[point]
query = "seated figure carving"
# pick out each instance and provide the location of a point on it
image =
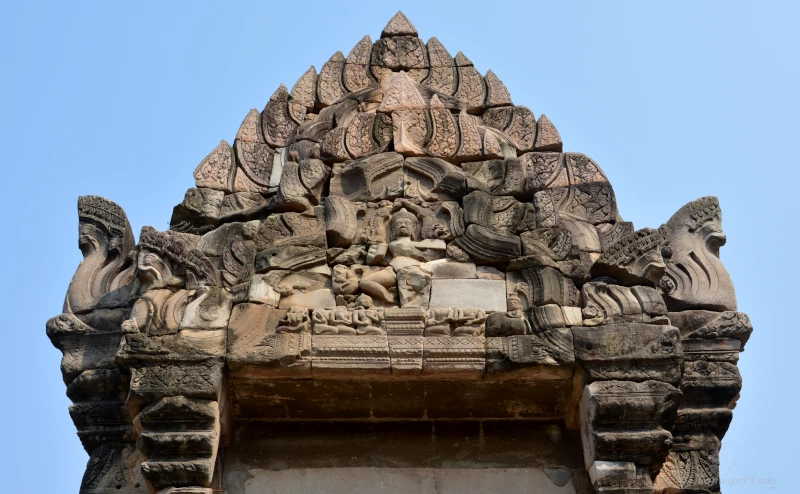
(296, 320)
(334, 322)
(404, 249)
(366, 318)
(469, 322)
(440, 321)
(512, 322)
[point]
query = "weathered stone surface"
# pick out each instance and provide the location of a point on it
(547, 136)
(634, 352)
(394, 245)
(256, 161)
(471, 88)
(410, 130)
(350, 356)
(469, 139)
(330, 87)
(199, 206)
(373, 178)
(442, 77)
(401, 93)
(214, 172)
(304, 90)
(398, 53)
(276, 122)
(711, 324)
(356, 75)
(414, 287)
(399, 25)
(489, 295)
(496, 177)
(301, 185)
(433, 179)
(511, 322)
(453, 357)
(649, 404)
(443, 269)
(496, 92)
(291, 241)
(635, 258)
(405, 353)
(545, 355)
(250, 129)
(604, 304)
(541, 286)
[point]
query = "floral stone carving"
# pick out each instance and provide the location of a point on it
(396, 220)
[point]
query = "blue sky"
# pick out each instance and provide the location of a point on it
(675, 100)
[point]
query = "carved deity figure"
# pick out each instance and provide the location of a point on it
(366, 317)
(296, 320)
(439, 321)
(511, 322)
(377, 282)
(404, 248)
(695, 275)
(345, 284)
(469, 322)
(334, 321)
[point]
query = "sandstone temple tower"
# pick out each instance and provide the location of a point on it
(395, 280)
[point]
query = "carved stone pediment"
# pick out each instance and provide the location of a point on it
(394, 241)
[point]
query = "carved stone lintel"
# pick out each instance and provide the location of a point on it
(453, 357)
(350, 356)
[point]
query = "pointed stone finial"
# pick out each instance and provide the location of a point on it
(361, 52)
(496, 92)
(399, 25)
(250, 130)
(547, 136)
(305, 87)
(462, 60)
(439, 56)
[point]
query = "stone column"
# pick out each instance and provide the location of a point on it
(710, 385)
(628, 404)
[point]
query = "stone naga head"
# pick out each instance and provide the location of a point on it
(695, 277)
(104, 237)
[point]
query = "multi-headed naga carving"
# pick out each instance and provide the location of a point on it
(395, 216)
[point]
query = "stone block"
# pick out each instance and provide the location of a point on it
(254, 348)
(373, 178)
(649, 409)
(545, 355)
(453, 357)
(488, 295)
(443, 269)
(195, 380)
(405, 321)
(629, 351)
(405, 353)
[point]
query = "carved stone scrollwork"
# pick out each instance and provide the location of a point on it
(395, 240)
